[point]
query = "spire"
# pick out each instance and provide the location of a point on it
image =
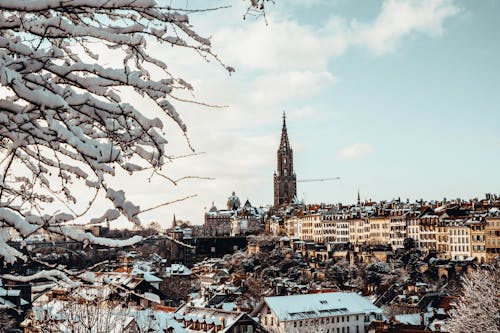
(284, 134)
(359, 198)
(174, 223)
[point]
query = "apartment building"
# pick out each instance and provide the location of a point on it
(398, 228)
(379, 233)
(359, 231)
(427, 230)
(492, 238)
(336, 312)
(478, 238)
(459, 235)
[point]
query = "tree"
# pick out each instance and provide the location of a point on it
(64, 130)
(84, 311)
(408, 243)
(477, 309)
(6, 321)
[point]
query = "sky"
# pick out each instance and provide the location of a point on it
(397, 98)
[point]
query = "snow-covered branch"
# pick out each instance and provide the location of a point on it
(63, 124)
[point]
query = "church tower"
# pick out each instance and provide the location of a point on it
(285, 180)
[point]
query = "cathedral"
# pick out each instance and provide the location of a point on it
(285, 180)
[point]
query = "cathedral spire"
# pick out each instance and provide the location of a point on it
(285, 187)
(174, 223)
(284, 134)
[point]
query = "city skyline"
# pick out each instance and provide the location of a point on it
(394, 107)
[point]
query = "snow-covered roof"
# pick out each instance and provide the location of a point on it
(319, 305)
(409, 319)
(177, 269)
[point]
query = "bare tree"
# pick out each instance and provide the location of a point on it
(64, 130)
(82, 315)
(478, 306)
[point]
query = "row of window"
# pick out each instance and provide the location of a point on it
(459, 248)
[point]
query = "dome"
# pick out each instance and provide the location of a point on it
(233, 202)
(213, 209)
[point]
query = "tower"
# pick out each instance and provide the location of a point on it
(285, 180)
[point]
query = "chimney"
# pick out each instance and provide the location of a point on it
(222, 322)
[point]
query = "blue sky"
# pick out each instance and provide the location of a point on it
(398, 98)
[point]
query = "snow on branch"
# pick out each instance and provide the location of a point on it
(64, 129)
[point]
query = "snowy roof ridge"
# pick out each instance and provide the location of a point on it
(319, 305)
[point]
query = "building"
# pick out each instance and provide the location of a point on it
(492, 235)
(336, 312)
(379, 230)
(478, 240)
(235, 220)
(198, 319)
(459, 236)
(398, 228)
(285, 180)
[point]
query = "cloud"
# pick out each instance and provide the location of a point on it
(285, 44)
(398, 19)
(279, 65)
(356, 150)
(277, 88)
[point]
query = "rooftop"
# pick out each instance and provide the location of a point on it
(319, 305)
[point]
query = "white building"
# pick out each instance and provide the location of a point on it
(336, 312)
(459, 236)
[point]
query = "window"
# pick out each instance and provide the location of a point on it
(294, 324)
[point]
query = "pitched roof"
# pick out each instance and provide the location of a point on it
(298, 307)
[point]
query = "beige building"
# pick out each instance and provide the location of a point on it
(379, 231)
(442, 241)
(311, 228)
(398, 228)
(427, 231)
(478, 239)
(492, 238)
(359, 231)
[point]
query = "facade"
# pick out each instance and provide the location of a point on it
(478, 238)
(235, 220)
(285, 180)
(311, 228)
(341, 231)
(199, 319)
(359, 231)
(492, 237)
(459, 235)
(379, 231)
(413, 228)
(398, 228)
(442, 241)
(325, 312)
(427, 231)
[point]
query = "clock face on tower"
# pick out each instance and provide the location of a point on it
(285, 184)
